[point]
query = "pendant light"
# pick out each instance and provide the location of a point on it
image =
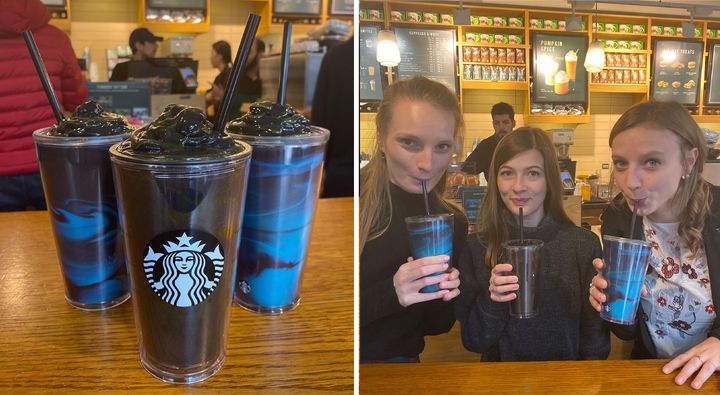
(388, 52)
(595, 57)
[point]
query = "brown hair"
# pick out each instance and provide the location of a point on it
(493, 217)
(375, 203)
(694, 192)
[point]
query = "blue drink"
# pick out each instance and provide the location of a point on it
(430, 236)
(626, 262)
(81, 201)
(282, 191)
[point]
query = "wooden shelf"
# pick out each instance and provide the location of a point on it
(62, 24)
(623, 68)
(169, 27)
(497, 64)
(637, 51)
(537, 29)
(469, 44)
(620, 88)
(372, 20)
(706, 118)
(422, 24)
(506, 85)
(697, 38)
(550, 118)
(521, 28)
(618, 34)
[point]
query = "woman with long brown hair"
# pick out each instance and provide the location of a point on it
(658, 153)
(417, 122)
(524, 174)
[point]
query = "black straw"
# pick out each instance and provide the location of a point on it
(240, 59)
(284, 62)
(522, 231)
(634, 217)
(425, 196)
(42, 72)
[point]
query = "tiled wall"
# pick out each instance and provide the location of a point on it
(102, 24)
(590, 150)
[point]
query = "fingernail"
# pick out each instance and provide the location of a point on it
(445, 265)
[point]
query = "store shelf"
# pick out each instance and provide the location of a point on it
(468, 27)
(505, 85)
(645, 51)
(618, 34)
(434, 24)
(497, 64)
(619, 88)
(549, 118)
(168, 27)
(696, 38)
(537, 29)
(623, 68)
(62, 24)
(471, 44)
(706, 118)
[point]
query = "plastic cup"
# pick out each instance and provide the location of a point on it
(430, 235)
(183, 219)
(282, 193)
(626, 262)
(525, 259)
(81, 201)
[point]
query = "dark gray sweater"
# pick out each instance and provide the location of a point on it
(566, 327)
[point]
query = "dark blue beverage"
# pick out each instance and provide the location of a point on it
(429, 236)
(80, 195)
(626, 262)
(282, 192)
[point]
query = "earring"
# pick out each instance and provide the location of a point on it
(382, 155)
(684, 177)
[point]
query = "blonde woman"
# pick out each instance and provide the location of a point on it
(417, 122)
(658, 153)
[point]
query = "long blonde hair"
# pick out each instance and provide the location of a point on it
(693, 192)
(375, 203)
(492, 222)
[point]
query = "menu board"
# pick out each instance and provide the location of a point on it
(297, 7)
(370, 71)
(676, 71)
(429, 52)
(342, 7)
(556, 74)
(713, 87)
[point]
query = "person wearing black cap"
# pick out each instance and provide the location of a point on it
(143, 45)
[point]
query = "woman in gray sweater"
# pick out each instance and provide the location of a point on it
(524, 173)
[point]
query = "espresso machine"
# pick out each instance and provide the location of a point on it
(563, 139)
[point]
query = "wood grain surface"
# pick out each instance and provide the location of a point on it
(47, 346)
(575, 377)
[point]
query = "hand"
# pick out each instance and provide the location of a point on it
(217, 92)
(502, 283)
(703, 358)
(411, 276)
(597, 286)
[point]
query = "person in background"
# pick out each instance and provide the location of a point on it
(524, 174)
(249, 87)
(658, 153)
(333, 108)
(417, 122)
(220, 58)
(143, 44)
(503, 117)
(24, 106)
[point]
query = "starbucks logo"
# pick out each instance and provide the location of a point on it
(184, 270)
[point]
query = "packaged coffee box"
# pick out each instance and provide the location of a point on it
(413, 16)
(515, 22)
(638, 29)
(669, 31)
(514, 39)
(622, 44)
(636, 45)
(429, 17)
(500, 21)
(537, 23)
(484, 38)
(612, 28)
(502, 39)
(625, 28)
(376, 15)
(398, 16)
(657, 30)
(446, 19)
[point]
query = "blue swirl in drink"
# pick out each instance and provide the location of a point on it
(282, 191)
(429, 236)
(626, 263)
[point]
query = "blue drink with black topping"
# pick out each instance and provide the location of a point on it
(430, 235)
(282, 193)
(626, 262)
(77, 179)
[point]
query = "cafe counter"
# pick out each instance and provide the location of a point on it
(573, 377)
(47, 346)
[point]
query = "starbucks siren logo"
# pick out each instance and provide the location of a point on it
(185, 274)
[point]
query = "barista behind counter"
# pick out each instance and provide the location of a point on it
(181, 72)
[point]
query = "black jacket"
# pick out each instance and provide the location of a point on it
(616, 221)
(479, 160)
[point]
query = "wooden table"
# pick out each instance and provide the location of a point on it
(47, 346)
(576, 377)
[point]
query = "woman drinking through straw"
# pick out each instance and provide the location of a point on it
(417, 122)
(658, 153)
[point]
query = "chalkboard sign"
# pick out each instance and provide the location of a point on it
(713, 88)
(297, 7)
(556, 74)
(342, 7)
(370, 70)
(122, 97)
(676, 71)
(429, 52)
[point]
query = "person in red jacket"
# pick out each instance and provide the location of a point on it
(24, 107)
